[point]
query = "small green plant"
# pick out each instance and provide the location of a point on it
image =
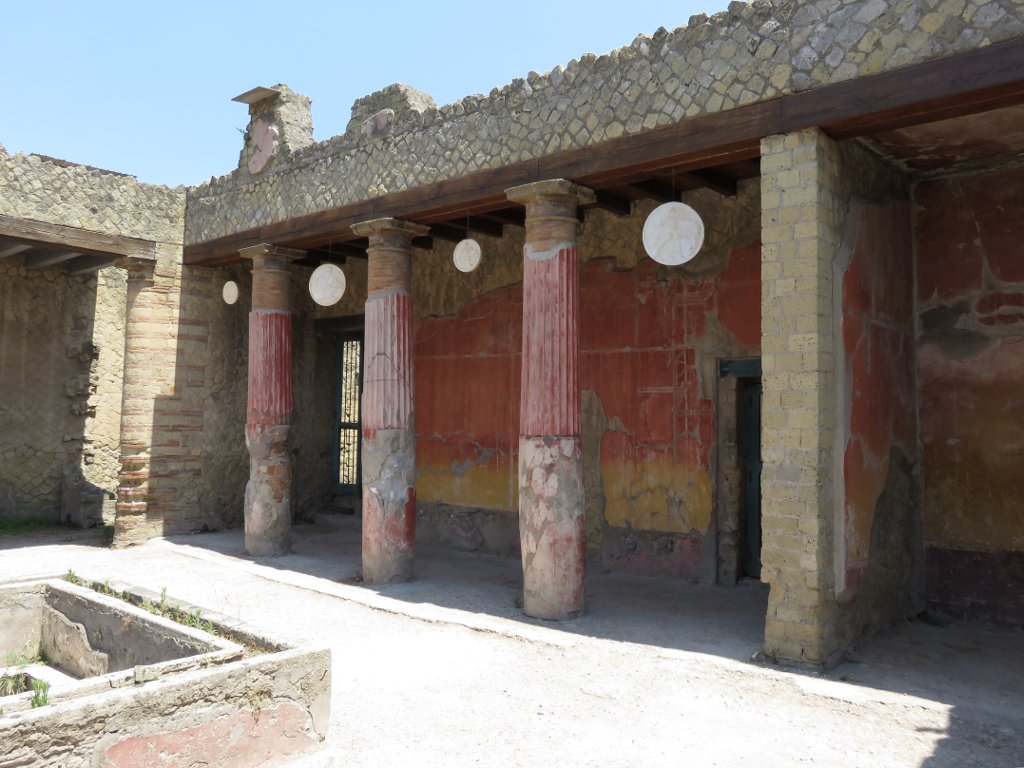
(105, 589)
(517, 601)
(40, 693)
(163, 600)
(12, 684)
(72, 577)
(16, 659)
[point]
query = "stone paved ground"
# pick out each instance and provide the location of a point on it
(441, 672)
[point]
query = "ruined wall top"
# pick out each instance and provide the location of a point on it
(58, 192)
(748, 53)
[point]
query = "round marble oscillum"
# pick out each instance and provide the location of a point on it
(673, 234)
(230, 292)
(327, 284)
(467, 255)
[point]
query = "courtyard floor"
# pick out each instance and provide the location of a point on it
(446, 671)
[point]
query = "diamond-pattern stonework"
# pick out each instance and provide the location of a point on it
(748, 53)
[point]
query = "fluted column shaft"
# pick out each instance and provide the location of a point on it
(551, 502)
(389, 435)
(268, 513)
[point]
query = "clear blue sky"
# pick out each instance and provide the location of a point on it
(145, 87)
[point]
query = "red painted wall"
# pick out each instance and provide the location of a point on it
(649, 340)
(877, 332)
(970, 244)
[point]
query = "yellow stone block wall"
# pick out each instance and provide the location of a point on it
(800, 219)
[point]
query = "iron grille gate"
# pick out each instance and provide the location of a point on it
(348, 419)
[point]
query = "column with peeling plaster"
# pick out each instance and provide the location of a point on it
(133, 522)
(389, 436)
(268, 514)
(551, 504)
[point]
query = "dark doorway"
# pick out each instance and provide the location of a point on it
(749, 424)
(348, 418)
(743, 455)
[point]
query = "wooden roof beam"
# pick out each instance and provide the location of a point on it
(607, 201)
(447, 232)
(13, 248)
(86, 264)
(40, 258)
(81, 240)
(653, 189)
(973, 81)
(714, 180)
(508, 216)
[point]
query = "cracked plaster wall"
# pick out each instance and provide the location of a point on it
(970, 293)
(650, 340)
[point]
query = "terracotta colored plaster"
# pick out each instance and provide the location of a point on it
(877, 338)
(648, 343)
(971, 374)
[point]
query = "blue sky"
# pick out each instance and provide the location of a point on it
(145, 87)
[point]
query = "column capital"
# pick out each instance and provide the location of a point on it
(389, 225)
(268, 253)
(525, 193)
(141, 264)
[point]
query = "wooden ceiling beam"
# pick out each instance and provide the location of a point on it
(448, 232)
(317, 256)
(88, 263)
(509, 216)
(973, 81)
(13, 248)
(653, 189)
(608, 201)
(81, 240)
(716, 181)
(40, 258)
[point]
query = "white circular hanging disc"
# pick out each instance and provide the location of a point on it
(673, 234)
(230, 292)
(327, 284)
(467, 255)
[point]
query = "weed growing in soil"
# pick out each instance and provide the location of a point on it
(40, 693)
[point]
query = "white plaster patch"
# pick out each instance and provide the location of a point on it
(547, 254)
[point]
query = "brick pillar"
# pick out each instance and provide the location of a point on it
(268, 509)
(800, 230)
(132, 521)
(389, 435)
(551, 501)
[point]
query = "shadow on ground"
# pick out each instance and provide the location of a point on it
(975, 671)
(723, 621)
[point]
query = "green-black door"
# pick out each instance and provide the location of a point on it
(751, 420)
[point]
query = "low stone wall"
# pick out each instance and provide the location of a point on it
(163, 708)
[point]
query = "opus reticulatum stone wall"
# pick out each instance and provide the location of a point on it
(749, 53)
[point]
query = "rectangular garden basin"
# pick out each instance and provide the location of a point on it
(122, 686)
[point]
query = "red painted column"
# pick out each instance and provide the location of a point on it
(389, 435)
(268, 514)
(551, 505)
(132, 521)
